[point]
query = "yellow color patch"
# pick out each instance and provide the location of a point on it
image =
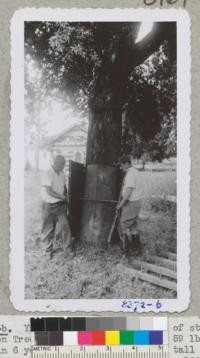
(112, 337)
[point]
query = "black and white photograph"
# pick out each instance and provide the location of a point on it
(100, 159)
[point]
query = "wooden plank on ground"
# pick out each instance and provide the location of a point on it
(154, 268)
(164, 262)
(170, 285)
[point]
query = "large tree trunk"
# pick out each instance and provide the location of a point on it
(101, 182)
(104, 135)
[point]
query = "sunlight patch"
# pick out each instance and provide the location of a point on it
(144, 30)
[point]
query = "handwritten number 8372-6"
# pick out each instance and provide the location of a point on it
(141, 305)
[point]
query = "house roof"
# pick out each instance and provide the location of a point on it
(51, 140)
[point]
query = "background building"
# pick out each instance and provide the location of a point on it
(71, 143)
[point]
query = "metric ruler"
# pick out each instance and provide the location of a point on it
(100, 352)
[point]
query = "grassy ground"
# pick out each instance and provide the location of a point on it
(93, 272)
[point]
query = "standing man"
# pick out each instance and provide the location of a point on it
(54, 206)
(130, 203)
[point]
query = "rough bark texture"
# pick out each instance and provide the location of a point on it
(104, 136)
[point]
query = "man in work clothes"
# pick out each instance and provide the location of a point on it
(54, 206)
(130, 203)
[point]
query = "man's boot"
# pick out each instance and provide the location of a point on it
(123, 238)
(136, 244)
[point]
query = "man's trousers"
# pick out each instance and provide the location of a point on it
(53, 214)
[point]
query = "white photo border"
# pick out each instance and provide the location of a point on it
(17, 280)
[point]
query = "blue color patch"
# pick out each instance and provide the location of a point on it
(141, 337)
(156, 337)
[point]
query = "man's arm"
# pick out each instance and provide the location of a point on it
(54, 194)
(125, 198)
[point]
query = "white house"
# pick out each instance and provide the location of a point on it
(71, 143)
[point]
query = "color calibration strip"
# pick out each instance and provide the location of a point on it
(95, 338)
(96, 331)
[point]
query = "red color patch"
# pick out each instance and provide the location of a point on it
(98, 338)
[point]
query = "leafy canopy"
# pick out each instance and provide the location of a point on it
(87, 60)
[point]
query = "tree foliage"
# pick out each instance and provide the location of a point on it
(150, 122)
(101, 63)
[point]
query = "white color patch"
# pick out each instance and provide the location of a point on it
(160, 323)
(70, 338)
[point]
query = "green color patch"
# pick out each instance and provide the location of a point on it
(126, 337)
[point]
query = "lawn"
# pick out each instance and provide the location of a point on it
(93, 272)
